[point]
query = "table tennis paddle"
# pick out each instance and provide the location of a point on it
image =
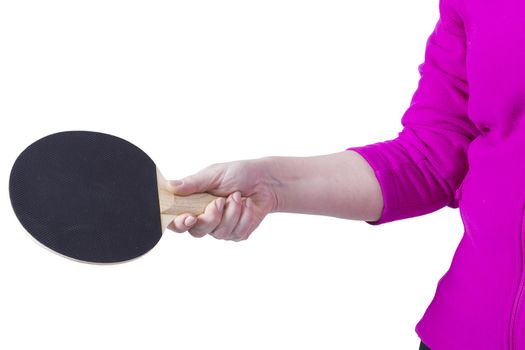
(94, 197)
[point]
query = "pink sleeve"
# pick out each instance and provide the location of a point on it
(420, 170)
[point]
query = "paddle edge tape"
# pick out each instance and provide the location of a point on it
(166, 200)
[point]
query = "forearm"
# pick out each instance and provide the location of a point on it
(340, 184)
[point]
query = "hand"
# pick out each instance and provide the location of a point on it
(233, 218)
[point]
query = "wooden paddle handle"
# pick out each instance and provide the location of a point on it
(194, 203)
(172, 205)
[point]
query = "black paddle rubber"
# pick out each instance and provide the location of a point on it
(87, 195)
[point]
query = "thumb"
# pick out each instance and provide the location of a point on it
(203, 181)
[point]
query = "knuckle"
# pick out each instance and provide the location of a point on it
(174, 227)
(220, 233)
(213, 167)
(216, 220)
(212, 209)
(196, 233)
(240, 237)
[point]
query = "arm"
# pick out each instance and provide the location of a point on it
(341, 184)
(416, 173)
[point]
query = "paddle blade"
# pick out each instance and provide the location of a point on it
(87, 195)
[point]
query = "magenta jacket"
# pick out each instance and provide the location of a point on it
(463, 145)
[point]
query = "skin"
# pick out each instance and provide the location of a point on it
(340, 184)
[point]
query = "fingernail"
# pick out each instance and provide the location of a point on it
(219, 203)
(237, 197)
(190, 220)
(176, 182)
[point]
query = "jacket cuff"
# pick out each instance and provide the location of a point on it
(387, 181)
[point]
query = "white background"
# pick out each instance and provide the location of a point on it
(199, 82)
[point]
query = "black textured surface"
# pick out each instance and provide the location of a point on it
(87, 195)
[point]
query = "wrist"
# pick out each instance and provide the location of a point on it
(271, 177)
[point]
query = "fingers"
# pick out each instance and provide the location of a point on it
(243, 229)
(230, 218)
(206, 179)
(209, 220)
(182, 223)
